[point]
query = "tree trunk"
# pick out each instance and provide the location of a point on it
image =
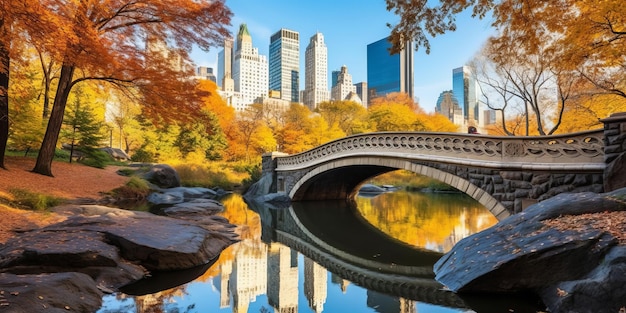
(4, 92)
(49, 143)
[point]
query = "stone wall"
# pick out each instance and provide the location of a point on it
(517, 190)
(615, 151)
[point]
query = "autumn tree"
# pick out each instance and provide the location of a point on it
(587, 35)
(395, 111)
(393, 117)
(349, 116)
(401, 98)
(26, 129)
(247, 123)
(18, 19)
(436, 122)
(106, 41)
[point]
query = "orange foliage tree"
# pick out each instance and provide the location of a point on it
(18, 19)
(105, 41)
(578, 42)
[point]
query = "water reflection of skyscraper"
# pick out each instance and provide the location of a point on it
(315, 284)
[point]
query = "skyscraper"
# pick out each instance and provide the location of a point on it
(284, 64)
(249, 69)
(361, 91)
(448, 106)
(316, 72)
(465, 91)
(225, 66)
(387, 73)
(206, 73)
(344, 89)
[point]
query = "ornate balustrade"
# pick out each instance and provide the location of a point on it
(582, 151)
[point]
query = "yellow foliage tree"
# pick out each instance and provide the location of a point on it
(393, 117)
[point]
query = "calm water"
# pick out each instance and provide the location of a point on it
(376, 257)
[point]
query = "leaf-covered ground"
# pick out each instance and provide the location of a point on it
(70, 181)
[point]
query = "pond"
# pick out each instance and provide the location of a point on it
(374, 255)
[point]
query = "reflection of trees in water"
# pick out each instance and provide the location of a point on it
(249, 227)
(432, 221)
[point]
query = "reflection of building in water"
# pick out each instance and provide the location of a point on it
(315, 282)
(249, 275)
(155, 303)
(282, 278)
(343, 284)
(389, 304)
(225, 269)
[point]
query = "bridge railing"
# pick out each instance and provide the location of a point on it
(575, 151)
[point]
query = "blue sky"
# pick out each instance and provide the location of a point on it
(348, 27)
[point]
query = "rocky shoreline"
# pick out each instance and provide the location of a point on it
(68, 266)
(578, 267)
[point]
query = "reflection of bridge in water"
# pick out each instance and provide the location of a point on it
(355, 251)
(505, 174)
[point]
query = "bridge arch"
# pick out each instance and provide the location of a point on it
(321, 182)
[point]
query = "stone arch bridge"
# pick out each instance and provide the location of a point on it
(505, 174)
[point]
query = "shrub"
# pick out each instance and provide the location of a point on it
(34, 201)
(135, 189)
(209, 175)
(143, 156)
(96, 158)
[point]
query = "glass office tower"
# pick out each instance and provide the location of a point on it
(465, 91)
(388, 73)
(284, 64)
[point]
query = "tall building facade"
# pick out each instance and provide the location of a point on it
(448, 106)
(387, 73)
(361, 91)
(344, 89)
(284, 64)
(316, 72)
(465, 90)
(225, 66)
(249, 69)
(206, 73)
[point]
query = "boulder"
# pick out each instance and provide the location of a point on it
(162, 175)
(194, 207)
(116, 153)
(602, 290)
(115, 247)
(521, 253)
(155, 242)
(53, 292)
(180, 195)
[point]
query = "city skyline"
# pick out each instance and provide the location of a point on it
(347, 42)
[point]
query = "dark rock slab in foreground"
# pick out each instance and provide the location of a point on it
(54, 292)
(111, 248)
(521, 254)
(602, 290)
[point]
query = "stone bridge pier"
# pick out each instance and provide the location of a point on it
(505, 174)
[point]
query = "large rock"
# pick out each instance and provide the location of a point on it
(602, 290)
(522, 254)
(155, 242)
(162, 175)
(182, 194)
(114, 247)
(54, 292)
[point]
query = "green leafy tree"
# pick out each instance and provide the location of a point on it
(83, 131)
